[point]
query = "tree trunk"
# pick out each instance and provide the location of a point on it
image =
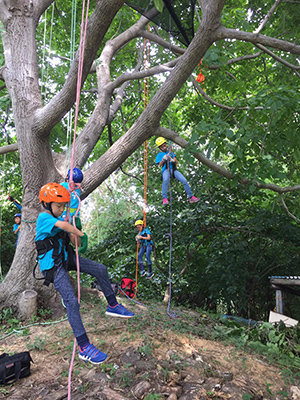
(21, 79)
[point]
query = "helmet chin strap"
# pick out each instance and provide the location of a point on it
(48, 207)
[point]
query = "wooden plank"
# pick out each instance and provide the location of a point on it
(285, 282)
(276, 317)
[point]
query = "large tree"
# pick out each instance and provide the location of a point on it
(227, 36)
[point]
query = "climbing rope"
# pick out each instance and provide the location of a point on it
(44, 48)
(2, 191)
(70, 113)
(170, 313)
(84, 20)
(34, 324)
(146, 102)
(44, 80)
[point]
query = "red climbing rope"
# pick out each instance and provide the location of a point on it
(84, 20)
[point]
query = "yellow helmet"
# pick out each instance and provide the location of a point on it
(159, 141)
(138, 222)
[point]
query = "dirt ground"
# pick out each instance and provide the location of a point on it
(161, 358)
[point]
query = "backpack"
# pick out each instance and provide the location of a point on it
(128, 287)
(14, 367)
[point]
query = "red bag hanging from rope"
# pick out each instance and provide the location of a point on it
(128, 287)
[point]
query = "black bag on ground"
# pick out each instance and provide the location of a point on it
(14, 367)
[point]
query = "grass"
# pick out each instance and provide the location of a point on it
(280, 345)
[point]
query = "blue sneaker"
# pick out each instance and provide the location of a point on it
(143, 273)
(149, 275)
(91, 354)
(119, 311)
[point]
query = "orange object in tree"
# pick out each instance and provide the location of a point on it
(200, 77)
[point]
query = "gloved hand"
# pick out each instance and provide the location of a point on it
(173, 160)
(137, 238)
(10, 198)
(166, 157)
(83, 244)
(78, 223)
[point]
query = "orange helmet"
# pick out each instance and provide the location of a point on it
(54, 192)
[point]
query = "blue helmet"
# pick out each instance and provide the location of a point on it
(77, 175)
(18, 215)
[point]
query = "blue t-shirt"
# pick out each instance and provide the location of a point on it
(74, 202)
(160, 156)
(16, 226)
(45, 227)
(144, 241)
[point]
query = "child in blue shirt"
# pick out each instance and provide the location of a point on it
(17, 226)
(77, 177)
(145, 242)
(17, 218)
(168, 162)
(55, 259)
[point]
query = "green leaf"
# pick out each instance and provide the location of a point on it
(229, 133)
(159, 5)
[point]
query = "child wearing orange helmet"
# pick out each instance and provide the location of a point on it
(55, 258)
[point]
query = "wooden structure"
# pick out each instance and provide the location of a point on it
(278, 318)
(284, 284)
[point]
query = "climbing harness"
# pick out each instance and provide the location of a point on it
(52, 243)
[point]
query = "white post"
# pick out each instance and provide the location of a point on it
(279, 301)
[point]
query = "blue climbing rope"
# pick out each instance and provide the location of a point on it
(169, 311)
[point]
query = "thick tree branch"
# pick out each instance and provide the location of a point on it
(10, 148)
(163, 43)
(92, 131)
(273, 55)
(98, 24)
(144, 74)
(148, 122)
(256, 38)
(41, 7)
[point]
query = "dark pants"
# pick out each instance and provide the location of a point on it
(142, 251)
(63, 285)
